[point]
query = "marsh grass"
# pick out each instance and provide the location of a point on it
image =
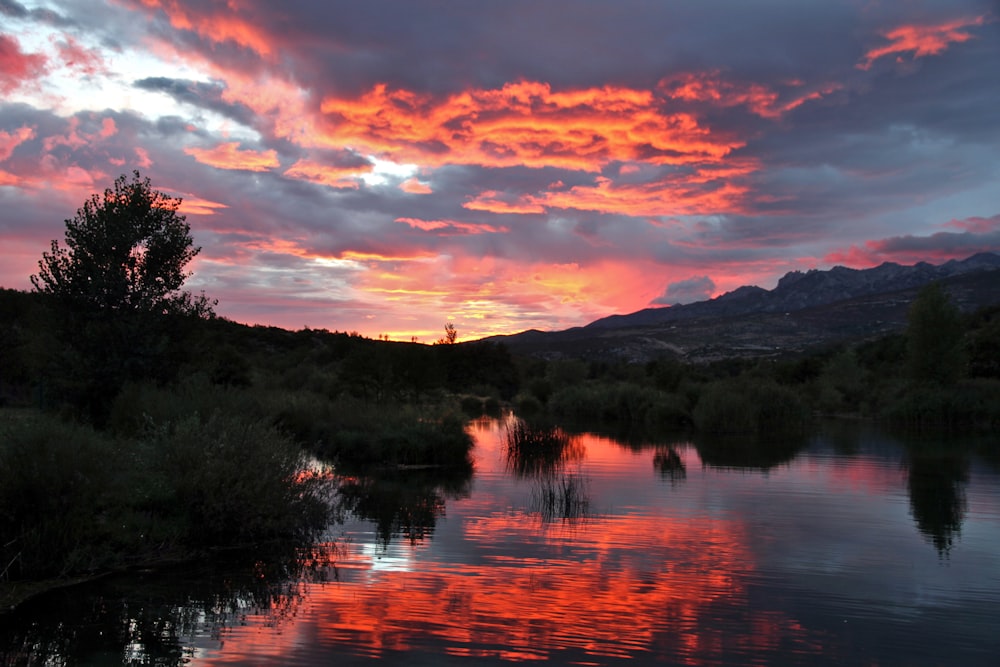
(561, 497)
(534, 449)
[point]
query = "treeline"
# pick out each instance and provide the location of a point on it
(942, 373)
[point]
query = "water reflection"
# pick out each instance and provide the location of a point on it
(157, 617)
(936, 484)
(668, 462)
(749, 452)
(582, 554)
(405, 502)
(560, 496)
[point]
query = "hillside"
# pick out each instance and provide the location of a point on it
(805, 310)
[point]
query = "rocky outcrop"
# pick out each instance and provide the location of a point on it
(799, 290)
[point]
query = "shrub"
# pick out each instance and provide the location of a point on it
(968, 406)
(743, 406)
(58, 486)
(238, 481)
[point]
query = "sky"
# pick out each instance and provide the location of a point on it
(390, 166)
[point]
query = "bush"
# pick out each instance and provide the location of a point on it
(968, 406)
(239, 481)
(742, 406)
(58, 487)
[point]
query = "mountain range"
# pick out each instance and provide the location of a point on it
(804, 310)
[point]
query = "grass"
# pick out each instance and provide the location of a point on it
(534, 449)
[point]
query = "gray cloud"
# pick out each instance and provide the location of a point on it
(694, 289)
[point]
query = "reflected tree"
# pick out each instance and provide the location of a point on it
(750, 452)
(667, 461)
(936, 483)
(404, 502)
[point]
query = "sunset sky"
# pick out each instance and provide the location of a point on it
(388, 166)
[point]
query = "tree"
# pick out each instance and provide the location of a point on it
(119, 312)
(125, 251)
(934, 337)
(450, 335)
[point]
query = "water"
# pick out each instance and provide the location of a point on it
(849, 547)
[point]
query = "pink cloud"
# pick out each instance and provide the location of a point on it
(17, 67)
(452, 227)
(976, 224)
(89, 62)
(11, 140)
(907, 249)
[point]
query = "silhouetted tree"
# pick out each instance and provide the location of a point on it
(119, 313)
(934, 336)
(450, 335)
(125, 251)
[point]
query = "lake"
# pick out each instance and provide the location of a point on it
(848, 547)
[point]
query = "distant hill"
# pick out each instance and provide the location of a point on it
(804, 310)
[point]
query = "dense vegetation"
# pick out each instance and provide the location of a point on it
(942, 373)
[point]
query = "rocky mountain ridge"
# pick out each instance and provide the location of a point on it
(798, 290)
(805, 310)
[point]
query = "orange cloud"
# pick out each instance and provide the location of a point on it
(415, 187)
(191, 205)
(11, 140)
(497, 202)
(762, 100)
(324, 174)
(221, 26)
(704, 190)
(142, 157)
(522, 124)
(923, 40)
(228, 155)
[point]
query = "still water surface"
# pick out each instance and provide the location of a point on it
(849, 548)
